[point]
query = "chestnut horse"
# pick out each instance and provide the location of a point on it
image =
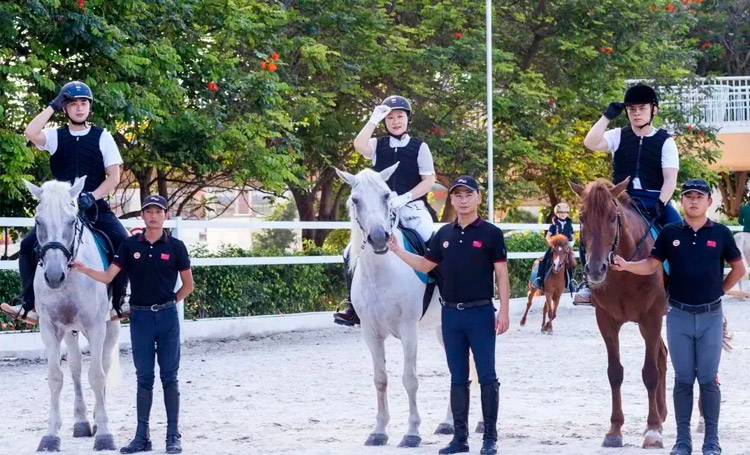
(554, 283)
(609, 226)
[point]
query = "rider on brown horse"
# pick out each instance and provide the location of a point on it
(645, 154)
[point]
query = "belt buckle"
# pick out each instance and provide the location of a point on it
(154, 309)
(460, 306)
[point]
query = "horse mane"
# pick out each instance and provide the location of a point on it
(597, 196)
(557, 240)
(55, 199)
(368, 179)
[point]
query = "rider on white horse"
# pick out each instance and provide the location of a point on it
(411, 181)
(76, 150)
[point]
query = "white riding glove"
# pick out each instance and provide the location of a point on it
(399, 201)
(378, 114)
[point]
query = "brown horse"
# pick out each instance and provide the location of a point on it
(609, 226)
(554, 283)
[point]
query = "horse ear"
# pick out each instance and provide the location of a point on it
(619, 188)
(33, 189)
(347, 177)
(577, 189)
(75, 190)
(386, 173)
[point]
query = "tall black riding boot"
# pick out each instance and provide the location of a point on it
(172, 405)
(142, 440)
(490, 405)
(460, 410)
(711, 404)
(347, 317)
(27, 270)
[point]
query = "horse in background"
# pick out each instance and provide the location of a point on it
(555, 281)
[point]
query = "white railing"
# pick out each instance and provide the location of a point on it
(179, 225)
(721, 102)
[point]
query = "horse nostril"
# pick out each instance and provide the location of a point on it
(604, 267)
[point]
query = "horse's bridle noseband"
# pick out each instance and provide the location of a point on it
(69, 252)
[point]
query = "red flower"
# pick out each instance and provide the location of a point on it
(551, 100)
(263, 64)
(274, 56)
(272, 67)
(690, 127)
(705, 46)
(437, 131)
(80, 3)
(458, 35)
(212, 86)
(603, 50)
(700, 133)
(669, 8)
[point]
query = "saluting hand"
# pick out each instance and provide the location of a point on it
(502, 322)
(378, 114)
(619, 264)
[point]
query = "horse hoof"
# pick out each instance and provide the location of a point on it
(653, 440)
(82, 430)
(410, 441)
(612, 440)
(480, 427)
(49, 444)
(376, 440)
(444, 428)
(104, 442)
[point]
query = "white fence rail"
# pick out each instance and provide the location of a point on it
(722, 102)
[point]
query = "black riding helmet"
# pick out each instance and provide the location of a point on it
(77, 89)
(642, 94)
(396, 103)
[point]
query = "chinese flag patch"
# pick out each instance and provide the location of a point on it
(165, 256)
(477, 244)
(711, 243)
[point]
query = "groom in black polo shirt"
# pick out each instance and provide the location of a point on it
(152, 261)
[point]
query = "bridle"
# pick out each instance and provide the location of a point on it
(70, 252)
(393, 216)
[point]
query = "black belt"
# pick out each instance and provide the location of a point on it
(157, 307)
(466, 305)
(696, 309)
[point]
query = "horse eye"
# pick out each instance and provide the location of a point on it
(355, 201)
(613, 218)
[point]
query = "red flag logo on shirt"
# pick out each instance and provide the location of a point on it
(711, 243)
(477, 244)
(165, 256)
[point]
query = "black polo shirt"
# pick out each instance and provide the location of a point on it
(152, 267)
(467, 258)
(696, 260)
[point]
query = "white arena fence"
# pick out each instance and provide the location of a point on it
(28, 344)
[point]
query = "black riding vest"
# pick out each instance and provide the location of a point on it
(77, 156)
(564, 227)
(640, 157)
(406, 176)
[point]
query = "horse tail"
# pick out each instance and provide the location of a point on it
(114, 373)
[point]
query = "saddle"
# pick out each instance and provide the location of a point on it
(652, 222)
(413, 243)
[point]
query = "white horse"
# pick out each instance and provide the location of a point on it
(387, 295)
(68, 304)
(743, 243)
